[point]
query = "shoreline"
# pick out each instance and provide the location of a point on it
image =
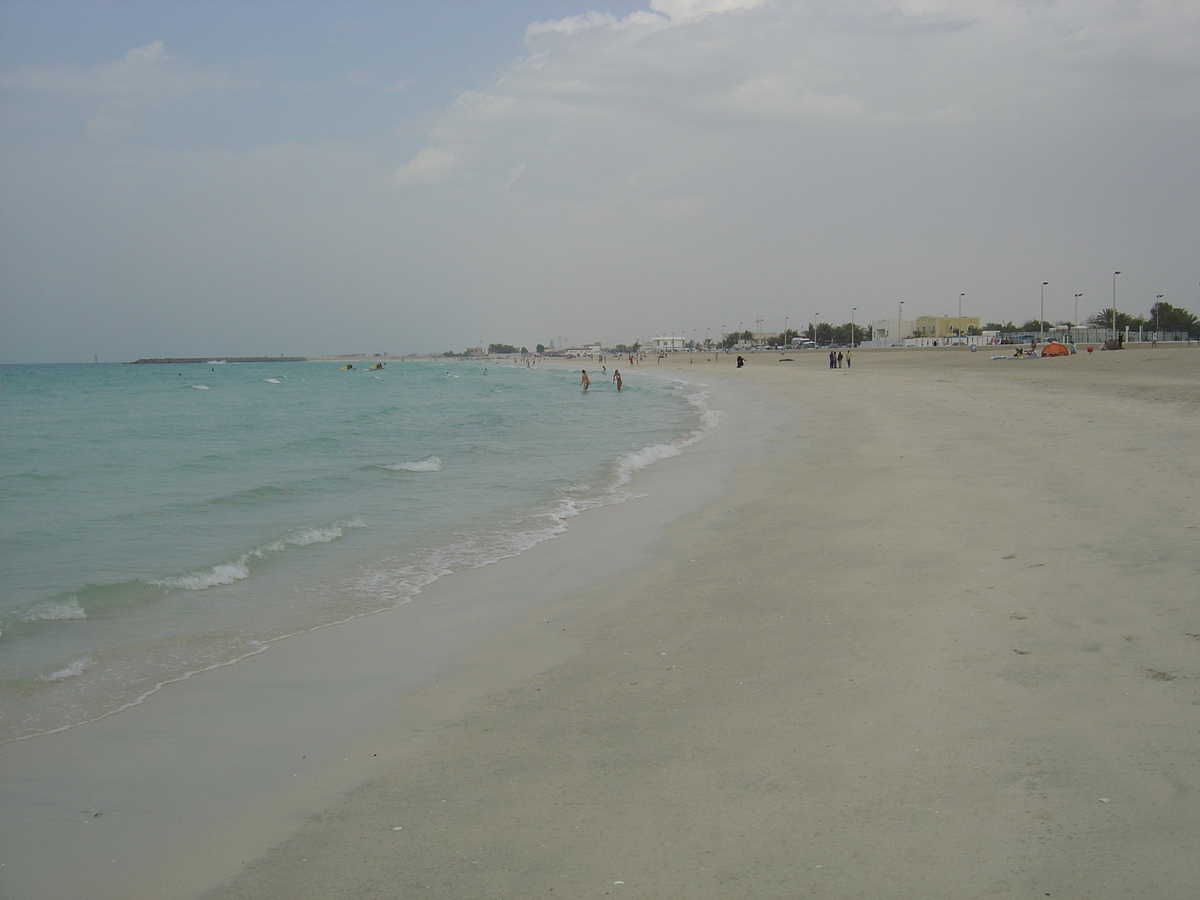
(934, 636)
(939, 641)
(174, 793)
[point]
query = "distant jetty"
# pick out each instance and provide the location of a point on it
(211, 359)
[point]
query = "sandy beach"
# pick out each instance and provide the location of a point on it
(942, 640)
(937, 635)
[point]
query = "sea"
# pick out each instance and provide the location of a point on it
(158, 521)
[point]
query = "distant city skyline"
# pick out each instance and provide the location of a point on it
(243, 178)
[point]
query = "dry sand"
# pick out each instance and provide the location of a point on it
(941, 640)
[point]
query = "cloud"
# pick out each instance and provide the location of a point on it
(432, 164)
(144, 73)
(598, 83)
(685, 165)
(146, 79)
(730, 148)
(778, 97)
(684, 10)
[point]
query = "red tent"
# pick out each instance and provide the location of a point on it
(1056, 349)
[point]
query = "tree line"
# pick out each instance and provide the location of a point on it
(1162, 317)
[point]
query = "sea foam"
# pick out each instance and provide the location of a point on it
(432, 464)
(55, 610)
(239, 569)
(73, 670)
(226, 573)
(634, 462)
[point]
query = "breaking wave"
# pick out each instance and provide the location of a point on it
(430, 464)
(54, 611)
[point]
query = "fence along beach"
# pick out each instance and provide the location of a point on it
(935, 637)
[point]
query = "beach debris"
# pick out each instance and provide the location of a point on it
(1023, 652)
(1105, 800)
(1010, 556)
(618, 882)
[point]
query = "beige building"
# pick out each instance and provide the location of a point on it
(945, 326)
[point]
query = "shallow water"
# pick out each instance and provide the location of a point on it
(157, 521)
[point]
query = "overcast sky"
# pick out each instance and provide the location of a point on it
(244, 178)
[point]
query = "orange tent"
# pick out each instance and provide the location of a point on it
(1054, 349)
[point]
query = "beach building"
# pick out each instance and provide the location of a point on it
(668, 344)
(889, 332)
(945, 326)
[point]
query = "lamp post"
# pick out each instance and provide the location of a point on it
(1114, 316)
(1042, 315)
(1158, 318)
(960, 328)
(1076, 321)
(853, 310)
(816, 319)
(783, 344)
(900, 320)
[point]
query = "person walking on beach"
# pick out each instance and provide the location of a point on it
(617, 378)
(847, 359)
(839, 359)
(832, 360)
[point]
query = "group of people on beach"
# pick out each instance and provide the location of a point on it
(835, 359)
(587, 382)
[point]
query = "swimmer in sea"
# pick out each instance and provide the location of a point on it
(617, 378)
(584, 381)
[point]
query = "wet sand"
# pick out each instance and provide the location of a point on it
(940, 639)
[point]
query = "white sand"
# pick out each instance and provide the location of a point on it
(910, 655)
(940, 640)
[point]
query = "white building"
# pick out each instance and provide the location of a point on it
(669, 344)
(889, 332)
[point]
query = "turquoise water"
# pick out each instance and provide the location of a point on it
(157, 521)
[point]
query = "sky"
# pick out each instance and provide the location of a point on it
(320, 178)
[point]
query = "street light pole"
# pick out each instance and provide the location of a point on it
(900, 321)
(1114, 316)
(1158, 318)
(1076, 322)
(960, 296)
(853, 310)
(783, 344)
(1042, 315)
